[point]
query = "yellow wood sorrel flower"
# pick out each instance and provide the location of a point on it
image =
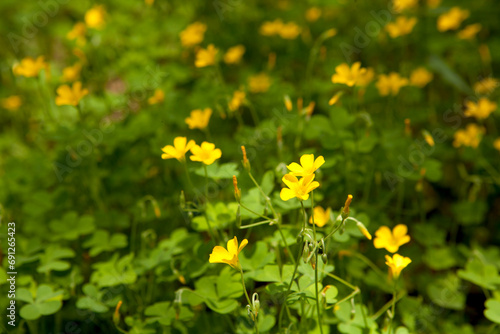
(229, 255)
(348, 75)
(289, 30)
(193, 34)
(234, 54)
(72, 73)
(313, 14)
(480, 110)
(157, 97)
(95, 17)
(402, 26)
(70, 96)
(206, 153)
(271, 28)
(321, 216)
(29, 67)
(486, 86)
(12, 103)
(259, 83)
(396, 264)
(391, 241)
(237, 100)
(298, 188)
(198, 118)
(206, 57)
(390, 84)
(179, 150)
(307, 165)
(420, 77)
(78, 32)
(470, 31)
(471, 136)
(401, 5)
(452, 19)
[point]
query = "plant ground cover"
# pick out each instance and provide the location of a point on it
(252, 166)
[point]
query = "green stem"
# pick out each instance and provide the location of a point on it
(212, 233)
(255, 213)
(393, 307)
(316, 265)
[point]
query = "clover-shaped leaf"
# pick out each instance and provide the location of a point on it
(70, 226)
(479, 273)
(101, 241)
(216, 171)
(45, 301)
(51, 259)
(165, 313)
(492, 311)
(114, 272)
(92, 299)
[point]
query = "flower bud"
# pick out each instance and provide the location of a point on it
(246, 163)
(237, 192)
(363, 230)
(116, 315)
(345, 209)
(288, 103)
(324, 258)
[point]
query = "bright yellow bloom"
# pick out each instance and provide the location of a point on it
(198, 118)
(237, 100)
(72, 73)
(179, 150)
(12, 103)
(29, 67)
(259, 83)
(391, 241)
(452, 19)
(289, 30)
(298, 188)
(95, 17)
(313, 14)
(365, 77)
(420, 77)
(229, 256)
(470, 31)
(70, 96)
(433, 3)
(480, 110)
(496, 144)
(471, 136)
(206, 153)
(307, 165)
(234, 54)
(486, 86)
(78, 32)
(271, 28)
(390, 84)
(193, 34)
(206, 57)
(321, 216)
(401, 5)
(348, 75)
(402, 26)
(157, 97)
(396, 264)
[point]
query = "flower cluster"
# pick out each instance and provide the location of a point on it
(288, 30)
(301, 188)
(391, 241)
(205, 153)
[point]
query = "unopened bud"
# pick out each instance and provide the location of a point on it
(345, 209)
(246, 163)
(363, 230)
(116, 315)
(428, 138)
(237, 192)
(288, 103)
(335, 98)
(310, 108)
(324, 258)
(306, 252)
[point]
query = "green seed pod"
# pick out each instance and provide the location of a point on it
(324, 258)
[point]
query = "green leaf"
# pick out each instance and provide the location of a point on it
(440, 258)
(470, 213)
(480, 274)
(102, 242)
(220, 215)
(92, 300)
(216, 171)
(114, 272)
(445, 292)
(70, 226)
(448, 74)
(50, 260)
(257, 256)
(492, 311)
(45, 301)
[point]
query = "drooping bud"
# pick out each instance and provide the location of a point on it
(428, 138)
(182, 200)
(324, 258)
(363, 230)
(288, 103)
(237, 192)
(310, 108)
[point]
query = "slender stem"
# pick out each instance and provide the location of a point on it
(341, 281)
(393, 307)
(286, 244)
(316, 265)
(349, 296)
(244, 287)
(255, 213)
(255, 224)
(370, 264)
(212, 233)
(268, 200)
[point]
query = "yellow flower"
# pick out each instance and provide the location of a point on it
(206, 153)
(288, 103)
(289, 30)
(335, 98)
(428, 138)
(298, 188)
(349, 76)
(269, 28)
(237, 100)
(321, 216)
(193, 34)
(149, 2)
(29, 67)
(78, 32)
(396, 264)
(12, 103)
(229, 256)
(433, 3)
(402, 26)
(420, 77)
(496, 144)
(471, 136)
(470, 31)
(486, 86)
(452, 19)
(313, 14)
(307, 165)
(179, 150)
(480, 110)
(259, 83)
(401, 5)
(157, 97)
(206, 57)
(70, 96)
(365, 77)
(72, 73)
(234, 54)
(390, 84)
(94, 17)
(391, 241)
(198, 118)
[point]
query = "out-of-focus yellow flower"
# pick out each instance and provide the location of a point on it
(391, 240)
(179, 150)
(289, 30)
(95, 17)
(452, 19)
(480, 110)
(12, 103)
(428, 138)
(29, 67)
(237, 100)
(234, 54)
(402, 26)
(288, 103)
(433, 3)
(321, 216)
(496, 144)
(206, 57)
(198, 118)
(420, 77)
(390, 84)
(206, 153)
(307, 165)
(149, 2)
(401, 5)
(229, 255)
(348, 75)
(396, 264)
(72, 73)
(335, 98)
(470, 31)
(259, 83)
(365, 77)
(271, 28)
(298, 188)
(193, 34)
(70, 95)
(313, 14)
(157, 97)
(78, 32)
(470, 137)
(486, 86)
